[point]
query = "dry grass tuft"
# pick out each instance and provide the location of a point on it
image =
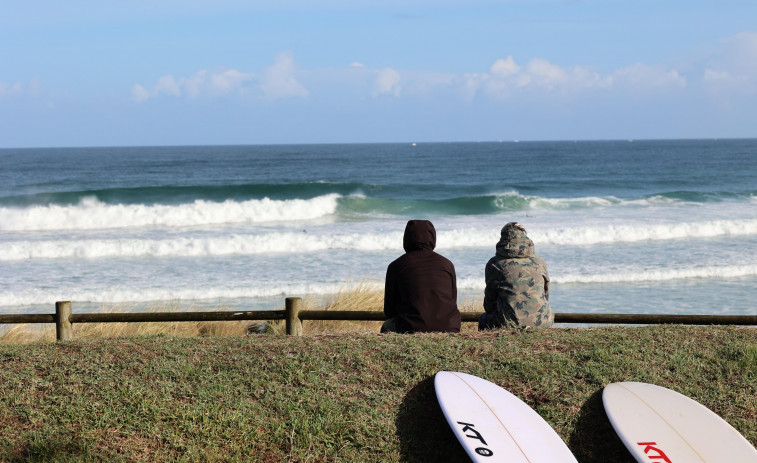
(361, 296)
(25, 333)
(352, 296)
(29, 333)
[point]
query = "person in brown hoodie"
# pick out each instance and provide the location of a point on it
(420, 292)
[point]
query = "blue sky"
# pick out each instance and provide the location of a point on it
(93, 73)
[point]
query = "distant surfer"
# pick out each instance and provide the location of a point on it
(517, 284)
(420, 293)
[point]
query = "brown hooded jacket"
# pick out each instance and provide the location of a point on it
(421, 286)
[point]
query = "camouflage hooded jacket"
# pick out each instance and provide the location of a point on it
(517, 283)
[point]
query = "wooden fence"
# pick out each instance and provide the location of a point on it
(294, 316)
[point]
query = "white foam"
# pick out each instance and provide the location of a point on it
(575, 236)
(467, 284)
(286, 242)
(184, 295)
(650, 276)
(505, 201)
(92, 214)
(198, 293)
(660, 275)
(536, 202)
(297, 242)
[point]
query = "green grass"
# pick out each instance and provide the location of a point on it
(351, 398)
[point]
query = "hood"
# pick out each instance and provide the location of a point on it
(419, 234)
(514, 243)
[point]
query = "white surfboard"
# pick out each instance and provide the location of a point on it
(660, 425)
(493, 425)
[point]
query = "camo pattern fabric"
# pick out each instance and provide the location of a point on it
(517, 283)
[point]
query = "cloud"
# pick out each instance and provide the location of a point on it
(506, 78)
(732, 68)
(716, 76)
(279, 81)
(276, 81)
(18, 89)
(203, 83)
(388, 82)
(139, 93)
(504, 67)
(167, 85)
(640, 75)
(13, 89)
(228, 81)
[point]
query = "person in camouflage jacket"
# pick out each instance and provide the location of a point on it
(517, 284)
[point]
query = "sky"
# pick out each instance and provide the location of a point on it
(210, 72)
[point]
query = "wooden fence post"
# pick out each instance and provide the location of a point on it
(63, 320)
(293, 322)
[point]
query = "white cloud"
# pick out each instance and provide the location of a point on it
(228, 81)
(506, 78)
(544, 74)
(472, 83)
(279, 81)
(139, 93)
(388, 82)
(167, 85)
(14, 89)
(17, 89)
(504, 67)
(716, 76)
(202, 83)
(193, 85)
(739, 53)
(733, 66)
(640, 75)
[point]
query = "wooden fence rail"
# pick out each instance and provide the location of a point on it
(294, 316)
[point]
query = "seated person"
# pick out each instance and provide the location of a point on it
(517, 284)
(420, 293)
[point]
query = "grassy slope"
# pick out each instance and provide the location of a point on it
(343, 398)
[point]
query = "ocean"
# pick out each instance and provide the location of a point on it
(624, 226)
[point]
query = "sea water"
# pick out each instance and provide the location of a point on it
(624, 226)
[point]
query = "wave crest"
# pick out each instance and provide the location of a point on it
(635, 233)
(91, 214)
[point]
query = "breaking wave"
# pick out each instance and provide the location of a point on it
(90, 214)
(661, 275)
(299, 242)
(42, 297)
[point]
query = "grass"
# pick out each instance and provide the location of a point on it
(359, 296)
(211, 392)
(353, 397)
(29, 333)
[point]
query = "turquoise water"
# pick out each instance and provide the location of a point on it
(642, 226)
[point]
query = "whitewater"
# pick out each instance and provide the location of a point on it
(642, 227)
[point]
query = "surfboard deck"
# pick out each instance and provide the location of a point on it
(493, 425)
(657, 424)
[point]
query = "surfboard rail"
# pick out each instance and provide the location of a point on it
(492, 424)
(657, 424)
